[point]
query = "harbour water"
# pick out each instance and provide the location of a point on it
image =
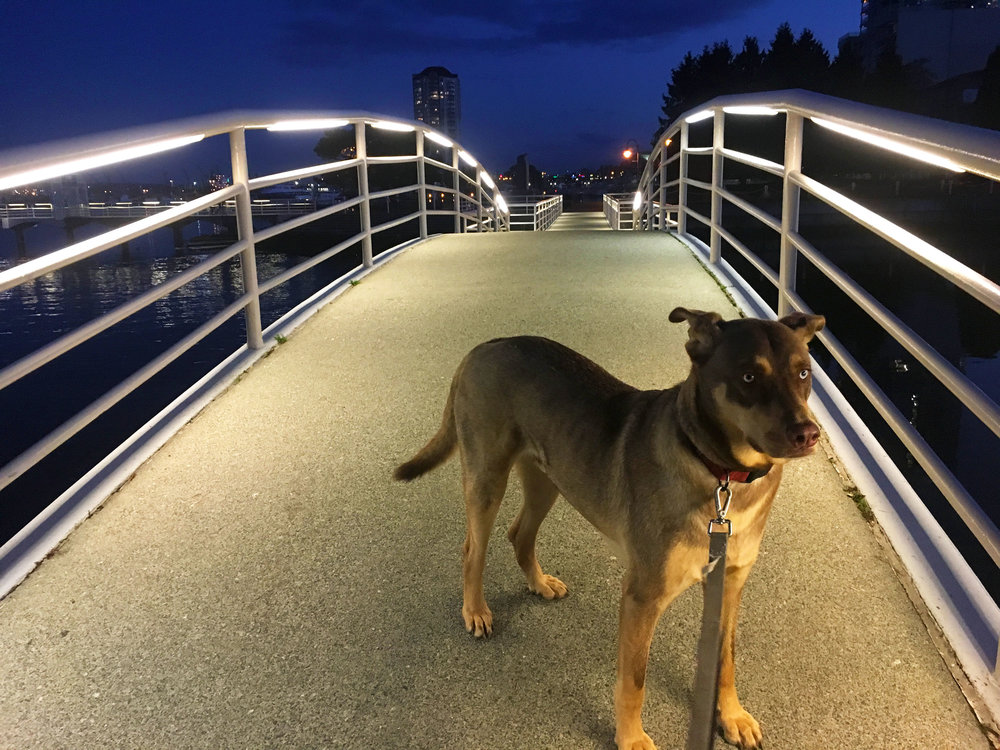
(41, 311)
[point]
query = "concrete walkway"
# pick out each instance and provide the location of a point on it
(262, 583)
(580, 221)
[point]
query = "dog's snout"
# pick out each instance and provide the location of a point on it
(803, 435)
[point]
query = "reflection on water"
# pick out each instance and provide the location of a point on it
(38, 312)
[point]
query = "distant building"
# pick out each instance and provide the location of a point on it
(950, 37)
(437, 100)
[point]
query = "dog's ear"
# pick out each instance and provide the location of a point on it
(804, 325)
(703, 331)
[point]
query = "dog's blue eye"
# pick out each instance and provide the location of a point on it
(804, 374)
(748, 377)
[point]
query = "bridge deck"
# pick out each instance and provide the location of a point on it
(261, 582)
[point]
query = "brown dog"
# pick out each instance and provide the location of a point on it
(641, 466)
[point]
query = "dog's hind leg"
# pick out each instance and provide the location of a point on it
(484, 491)
(539, 496)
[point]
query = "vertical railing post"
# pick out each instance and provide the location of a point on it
(456, 183)
(361, 150)
(479, 199)
(718, 162)
(244, 228)
(422, 185)
(790, 194)
(648, 196)
(663, 188)
(682, 178)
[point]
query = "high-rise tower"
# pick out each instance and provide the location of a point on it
(950, 37)
(437, 100)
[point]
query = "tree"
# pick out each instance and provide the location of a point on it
(847, 73)
(698, 79)
(803, 63)
(986, 110)
(792, 63)
(747, 65)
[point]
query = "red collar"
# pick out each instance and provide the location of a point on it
(725, 475)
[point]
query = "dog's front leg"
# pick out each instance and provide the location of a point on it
(738, 727)
(641, 606)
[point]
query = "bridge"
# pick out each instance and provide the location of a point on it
(13, 214)
(255, 578)
(22, 216)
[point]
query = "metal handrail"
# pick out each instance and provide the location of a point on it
(618, 210)
(535, 211)
(947, 145)
(477, 206)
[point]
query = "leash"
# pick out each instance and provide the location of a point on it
(701, 732)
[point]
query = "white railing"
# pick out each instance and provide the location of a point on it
(534, 213)
(955, 595)
(619, 211)
(13, 213)
(470, 198)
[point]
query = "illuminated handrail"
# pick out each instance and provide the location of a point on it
(45, 211)
(534, 213)
(946, 145)
(618, 210)
(473, 201)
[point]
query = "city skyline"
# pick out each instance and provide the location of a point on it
(569, 89)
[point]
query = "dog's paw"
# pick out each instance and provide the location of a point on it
(548, 587)
(478, 621)
(741, 729)
(640, 742)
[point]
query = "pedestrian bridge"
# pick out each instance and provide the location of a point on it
(262, 582)
(254, 578)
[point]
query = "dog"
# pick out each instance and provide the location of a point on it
(641, 466)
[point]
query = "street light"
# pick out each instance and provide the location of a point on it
(631, 154)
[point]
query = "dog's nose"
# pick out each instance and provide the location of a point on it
(803, 435)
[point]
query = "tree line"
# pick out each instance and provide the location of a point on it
(804, 63)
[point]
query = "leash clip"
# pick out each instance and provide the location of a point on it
(722, 507)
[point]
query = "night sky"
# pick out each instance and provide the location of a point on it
(566, 81)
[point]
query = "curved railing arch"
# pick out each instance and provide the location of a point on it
(967, 613)
(463, 195)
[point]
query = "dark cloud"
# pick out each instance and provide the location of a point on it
(386, 26)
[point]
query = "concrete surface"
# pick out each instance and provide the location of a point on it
(580, 221)
(262, 583)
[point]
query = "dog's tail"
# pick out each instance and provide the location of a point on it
(438, 449)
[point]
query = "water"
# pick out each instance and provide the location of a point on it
(39, 312)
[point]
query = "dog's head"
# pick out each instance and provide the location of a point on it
(755, 376)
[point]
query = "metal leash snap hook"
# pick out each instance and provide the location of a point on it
(722, 507)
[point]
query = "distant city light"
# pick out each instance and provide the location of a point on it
(627, 153)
